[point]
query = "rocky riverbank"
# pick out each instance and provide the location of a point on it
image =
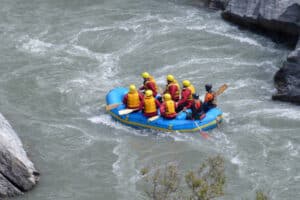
(279, 19)
(17, 172)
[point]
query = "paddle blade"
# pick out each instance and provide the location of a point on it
(153, 118)
(126, 111)
(203, 134)
(111, 106)
(221, 89)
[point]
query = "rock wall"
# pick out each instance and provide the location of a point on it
(17, 172)
(280, 19)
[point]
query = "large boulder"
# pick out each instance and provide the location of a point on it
(281, 20)
(279, 16)
(17, 172)
(287, 79)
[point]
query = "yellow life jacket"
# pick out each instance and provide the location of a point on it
(133, 100)
(149, 105)
(170, 107)
(193, 91)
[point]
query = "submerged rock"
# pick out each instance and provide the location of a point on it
(281, 20)
(17, 172)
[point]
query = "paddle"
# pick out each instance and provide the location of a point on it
(153, 118)
(157, 116)
(126, 111)
(221, 89)
(203, 134)
(111, 106)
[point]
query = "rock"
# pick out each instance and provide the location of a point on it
(281, 20)
(218, 4)
(7, 189)
(287, 79)
(17, 172)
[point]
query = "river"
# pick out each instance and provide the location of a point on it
(59, 58)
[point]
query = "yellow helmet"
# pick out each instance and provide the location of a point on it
(132, 88)
(145, 75)
(149, 93)
(186, 83)
(167, 97)
(170, 78)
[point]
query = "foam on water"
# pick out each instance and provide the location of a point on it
(36, 46)
(124, 169)
(278, 112)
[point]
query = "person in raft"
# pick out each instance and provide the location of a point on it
(186, 96)
(149, 83)
(172, 88)
(133, 99)
(168, 107)
(150, 104)
(197, 109)
(209, 99)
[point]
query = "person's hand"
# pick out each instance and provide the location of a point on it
(184, 109)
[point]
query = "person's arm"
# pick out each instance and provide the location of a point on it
(141, 105)
(166, 89)
(162, 109)
(125, 99)
(141, 96)
(157, 103)
(142, 87)
(184, 96)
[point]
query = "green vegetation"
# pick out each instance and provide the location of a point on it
(208, 181)
(205, 183)
(261, 196)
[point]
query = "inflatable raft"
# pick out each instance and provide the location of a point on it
(138, 120)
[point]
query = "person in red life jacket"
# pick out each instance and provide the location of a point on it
(150, 104)
(186, 96)
(172, 88)
(197, 109)
(149, 83)
(209, 99)
(168, 107)
(133, 99)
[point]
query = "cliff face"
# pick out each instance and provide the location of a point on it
(17, 172)
(278, 18)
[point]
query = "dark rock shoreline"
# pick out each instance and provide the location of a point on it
(279, 19)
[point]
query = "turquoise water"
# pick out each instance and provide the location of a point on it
(59, 58)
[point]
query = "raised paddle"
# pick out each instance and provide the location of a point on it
(221, 89)
(111, 106)
(127, 111)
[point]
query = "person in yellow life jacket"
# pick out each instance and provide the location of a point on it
(168, 107)
(209, 99)
(197, 109)
(133, 99)
(150, 104)
(149, 83)
(172, 88)
(186, 96)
